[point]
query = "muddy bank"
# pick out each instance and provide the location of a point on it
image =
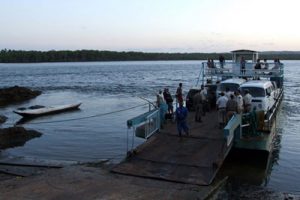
(16, 136)
(87, 182)
(97, 182)
(16, 94)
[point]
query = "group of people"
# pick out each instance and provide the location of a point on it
(166, 97)
(200, 103)
(230, 103)
(258, 64)
(211, 63)
(181, 112)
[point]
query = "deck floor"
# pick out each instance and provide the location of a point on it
(193, 159)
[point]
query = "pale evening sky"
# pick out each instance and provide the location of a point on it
(150, 25)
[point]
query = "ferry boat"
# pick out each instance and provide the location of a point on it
(197, 157)
(264, 81)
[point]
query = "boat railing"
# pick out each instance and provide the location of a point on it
(145, 124)
(232, 69)
(271, 115)
(233, 128)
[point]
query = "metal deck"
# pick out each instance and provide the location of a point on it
(194, 159)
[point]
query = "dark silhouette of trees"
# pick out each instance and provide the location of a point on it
(20, 56)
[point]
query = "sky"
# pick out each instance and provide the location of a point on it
(150, 25)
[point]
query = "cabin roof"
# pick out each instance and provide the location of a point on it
(256, 83)
(243, 51)
(234, 80)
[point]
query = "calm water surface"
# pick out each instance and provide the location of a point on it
(105, 87)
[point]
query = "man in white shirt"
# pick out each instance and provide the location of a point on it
(221, 106)
(203, 93)
(247, 101)
(228, 93)
(159, 98)
(239, 100)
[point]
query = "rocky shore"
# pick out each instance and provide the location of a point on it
(16, 94)
(2, 119)
(16, 136)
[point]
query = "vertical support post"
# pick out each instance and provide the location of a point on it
(203, 68)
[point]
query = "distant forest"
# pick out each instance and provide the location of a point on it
(19, 56)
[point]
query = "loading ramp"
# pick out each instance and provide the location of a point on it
(193, 159)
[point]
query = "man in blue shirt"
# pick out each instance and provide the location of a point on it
(181, 117)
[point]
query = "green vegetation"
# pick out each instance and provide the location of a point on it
(19, 56)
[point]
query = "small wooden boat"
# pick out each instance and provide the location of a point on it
(35, 111)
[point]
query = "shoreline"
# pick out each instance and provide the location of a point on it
(95, 181)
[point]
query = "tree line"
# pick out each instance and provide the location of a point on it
(21, 56)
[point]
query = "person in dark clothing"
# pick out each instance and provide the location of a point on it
(258, 64)
(198, 105)
(181, 119)
(222, 61)
(243, 65)
(257, 67)
(169, 100)
(179, 94)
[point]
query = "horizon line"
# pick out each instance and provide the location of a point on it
(137, 51)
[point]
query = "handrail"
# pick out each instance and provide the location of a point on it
(232, 126)
(140, 119)
(145, 124)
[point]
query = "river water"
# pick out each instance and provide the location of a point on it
(94, 132)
